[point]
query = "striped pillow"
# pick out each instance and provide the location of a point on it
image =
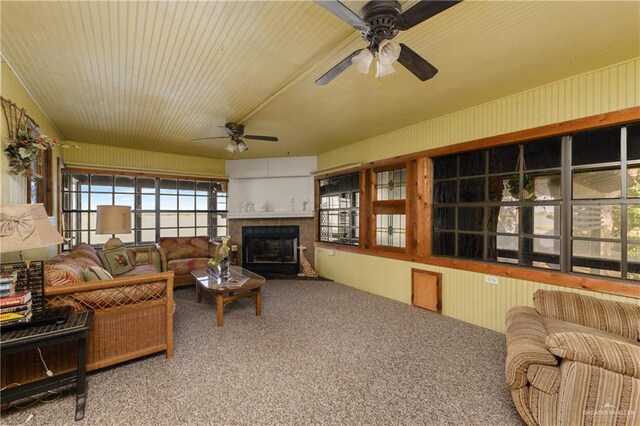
(96, 273)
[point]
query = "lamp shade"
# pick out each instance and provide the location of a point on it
(113, 220)
(25, 227)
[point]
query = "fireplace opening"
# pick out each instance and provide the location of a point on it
(270, 249)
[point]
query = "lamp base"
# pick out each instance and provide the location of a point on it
(113, 243)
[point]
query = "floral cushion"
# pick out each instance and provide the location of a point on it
(185, 266)
(185, 247)
(116, 260)
(62, 273)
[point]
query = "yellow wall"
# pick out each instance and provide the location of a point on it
(103, 156)
(13, 189)
(465, 295)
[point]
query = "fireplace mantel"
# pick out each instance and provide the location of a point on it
(265, 215)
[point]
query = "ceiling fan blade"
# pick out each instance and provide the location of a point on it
(422, 11)
(261, 138)
(336, 70)
(343, 12)
(227, 130)
(416, 63)
(212, 137)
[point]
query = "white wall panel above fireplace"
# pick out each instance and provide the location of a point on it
(271, 187)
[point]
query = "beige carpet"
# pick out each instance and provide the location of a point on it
(322, 353)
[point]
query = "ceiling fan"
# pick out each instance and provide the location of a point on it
(379, 22)
(235, 132)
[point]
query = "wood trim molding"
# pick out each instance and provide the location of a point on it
(143, 174)
(560, 279)
(389, 207)
(601, 285)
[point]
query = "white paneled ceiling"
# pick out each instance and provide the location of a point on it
(155, 75)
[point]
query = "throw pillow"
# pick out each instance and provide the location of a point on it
(116, 261)
(62, 273)
(96, 273)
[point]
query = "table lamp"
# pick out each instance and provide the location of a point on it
(25, 227)
(113, 220)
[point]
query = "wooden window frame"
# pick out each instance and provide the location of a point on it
(419, 208)
(379, 207)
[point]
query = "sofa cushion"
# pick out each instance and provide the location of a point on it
(620, 357)
(606, 315)
(81, 262)
(116, 261)
(96, 273)
(87, 251)
(185, 247)
(185, 266)
(141, 269)
(554, 326)
(62, 273)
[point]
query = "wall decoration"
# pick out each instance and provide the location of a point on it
(29, 153)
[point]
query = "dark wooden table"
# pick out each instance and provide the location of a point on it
(224, 295)
(76, 328)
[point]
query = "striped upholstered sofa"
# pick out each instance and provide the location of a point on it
(574, 360)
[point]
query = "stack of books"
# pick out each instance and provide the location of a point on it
(8, 283)
(15, 306)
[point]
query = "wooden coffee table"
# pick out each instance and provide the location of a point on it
(224, 294)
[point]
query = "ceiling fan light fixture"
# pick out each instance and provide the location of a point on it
(362, 61)
(384, 69)
(242, 147)
(389, 51)
(232, 147)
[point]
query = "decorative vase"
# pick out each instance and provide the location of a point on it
(223, 267)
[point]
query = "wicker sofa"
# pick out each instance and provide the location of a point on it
(574, 359)
(133, 315)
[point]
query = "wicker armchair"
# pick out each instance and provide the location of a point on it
(133, 318)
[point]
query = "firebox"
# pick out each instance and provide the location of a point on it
(271, 249)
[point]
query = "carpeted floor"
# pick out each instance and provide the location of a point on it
(322, 353)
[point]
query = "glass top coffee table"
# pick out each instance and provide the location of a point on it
(240, 284)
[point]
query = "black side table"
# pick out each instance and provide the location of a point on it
(76, 328)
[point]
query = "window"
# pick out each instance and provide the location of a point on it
(160, 207)
(389, 207)
(508, 204)
(339, 215)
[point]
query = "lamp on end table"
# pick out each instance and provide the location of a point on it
(26, 227)
(113, 220)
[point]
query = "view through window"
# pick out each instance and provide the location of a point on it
(339, 215)
(161, 207)
(567, 203)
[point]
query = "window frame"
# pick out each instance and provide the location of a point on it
(419, 204)
(137, 210)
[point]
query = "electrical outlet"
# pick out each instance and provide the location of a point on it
(331, 253)
(234, 247)
(491, 279)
